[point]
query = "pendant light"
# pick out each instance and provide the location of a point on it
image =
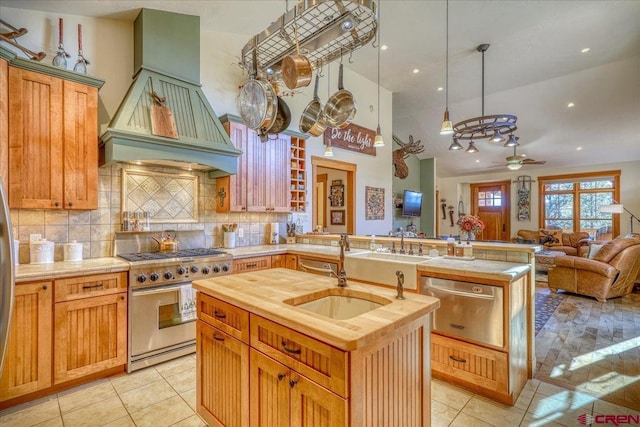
(447, 127)
(378, 142)
(328, 151)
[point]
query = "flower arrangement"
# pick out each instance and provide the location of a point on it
(470, 224)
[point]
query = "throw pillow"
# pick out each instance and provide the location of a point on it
(550, 237)
(593, 250)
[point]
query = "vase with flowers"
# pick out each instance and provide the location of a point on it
(470, 225)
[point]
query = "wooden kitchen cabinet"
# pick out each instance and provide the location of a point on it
(284, 261)
(251, 264)
(4, 122)
(27, 364)
(262, 180)
(53, 142)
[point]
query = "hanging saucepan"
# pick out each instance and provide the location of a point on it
(340, 108)
(296, 69)
(312, 120)
(258, 101)
(283, 119)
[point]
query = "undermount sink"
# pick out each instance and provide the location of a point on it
(338, 303)
(380, 268)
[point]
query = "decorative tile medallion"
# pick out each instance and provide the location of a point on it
(168, 197)
(374, 199)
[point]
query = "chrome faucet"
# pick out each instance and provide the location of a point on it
(401, 241)
(400, 287)
(393, 247)
(344, 238)
(420, 253)
(342, 275)
(410, 248)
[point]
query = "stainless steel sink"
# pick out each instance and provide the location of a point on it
(339, 304)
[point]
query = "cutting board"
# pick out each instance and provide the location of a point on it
(162, 122)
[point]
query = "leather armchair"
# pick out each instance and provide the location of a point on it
(572, 243)
(611, 273)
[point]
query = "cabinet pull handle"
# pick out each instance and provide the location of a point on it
(457, 359)
(97, 285)
(251, 265)
(217, 338)
(281, 376)
(219, 315)
(45, 287)
(290, 350)
(292, 383)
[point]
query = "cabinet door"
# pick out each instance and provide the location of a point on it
(257, 173)
(278, 165)
(4, 123)
(269, 392)
(80, 165)
(35, 140)
(292, 262)
(90, 336)
(27, 364)
(313, 405)
(223, 362)
(238, 183)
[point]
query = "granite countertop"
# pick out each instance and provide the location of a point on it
(278, 285)
(59, 269)
(497, 270)
(332, 252)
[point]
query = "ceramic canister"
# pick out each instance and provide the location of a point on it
(72, 251)
(41, 252)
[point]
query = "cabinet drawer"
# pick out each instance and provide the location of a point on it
(477, 365)
(90, 286)
(226, 317)
(251, 264)
(315, 360)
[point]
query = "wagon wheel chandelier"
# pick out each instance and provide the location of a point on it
(497, 128)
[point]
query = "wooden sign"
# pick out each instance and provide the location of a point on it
(353, 137)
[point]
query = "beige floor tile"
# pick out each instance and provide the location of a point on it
(176, 366)
(85, 395)
(164, 413)
(190, 398)
(532, 420)
(524, 399)
(183, 381)
(556, 392)
(606, 408)
(128, 382)
(122, 422)
(493, 412)
(452, 396)
(192, 421)
(31, 414)
(532, 385)
(441, 415)
(562, 411)
(464, 420)
(54, 422)
(145, 396)
(97, 413)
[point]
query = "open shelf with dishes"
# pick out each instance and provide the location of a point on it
(298, 175)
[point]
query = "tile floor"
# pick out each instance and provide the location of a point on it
(165, 395)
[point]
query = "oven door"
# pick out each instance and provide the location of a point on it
(161, 318)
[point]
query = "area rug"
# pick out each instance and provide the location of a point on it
(546, 305)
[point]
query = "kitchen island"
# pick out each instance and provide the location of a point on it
(260, 334)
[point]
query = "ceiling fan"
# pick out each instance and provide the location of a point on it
(516, 161)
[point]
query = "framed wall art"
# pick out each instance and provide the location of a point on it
(374, 199)
(337, 217)
(337, 195)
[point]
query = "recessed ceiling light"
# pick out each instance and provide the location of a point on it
(477, 161)
(578, 148)
(416, 71)
(585, 50)
(384, 47)
(571, 105)
(440, 89)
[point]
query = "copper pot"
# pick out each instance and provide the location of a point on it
(296, 69)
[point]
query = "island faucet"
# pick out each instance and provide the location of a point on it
(400, 287)
(345, 239)
(342, 275)
(401, 240)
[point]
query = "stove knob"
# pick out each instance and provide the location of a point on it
(194, 269)
(225, 268)
(182, 270)
(168, 275)
(154, 277)
(142, 278)
(216, 269)
(205, 270)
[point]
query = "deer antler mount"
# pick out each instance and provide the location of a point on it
(412, 147)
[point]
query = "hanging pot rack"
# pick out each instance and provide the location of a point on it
(324, 34)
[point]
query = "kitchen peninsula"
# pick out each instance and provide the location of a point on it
(260, 336)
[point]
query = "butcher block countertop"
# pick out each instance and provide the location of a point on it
(479, 268)
(264, 292)
(59, 269)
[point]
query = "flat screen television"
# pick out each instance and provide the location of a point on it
(412, 203)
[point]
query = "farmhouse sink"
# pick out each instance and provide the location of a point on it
(380, 268)
(338, 303)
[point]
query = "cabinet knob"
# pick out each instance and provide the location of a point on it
(281, 376)
(292, 383)
(45, 287)
(70, 204)
(122, 297)
(56, 204)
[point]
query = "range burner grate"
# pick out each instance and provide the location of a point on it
(185, 253)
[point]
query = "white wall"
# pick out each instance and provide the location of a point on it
(108, 44)
(455, 189)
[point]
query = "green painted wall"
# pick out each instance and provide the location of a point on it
(428, 188)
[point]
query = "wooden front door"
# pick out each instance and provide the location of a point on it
(491, 202)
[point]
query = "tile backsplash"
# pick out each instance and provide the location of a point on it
(95, 229)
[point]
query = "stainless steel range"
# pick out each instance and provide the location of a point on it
(162, 303)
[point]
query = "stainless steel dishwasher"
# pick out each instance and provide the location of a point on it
(467, 310)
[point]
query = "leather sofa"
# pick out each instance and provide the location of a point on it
(575, 244)
(611, 273)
